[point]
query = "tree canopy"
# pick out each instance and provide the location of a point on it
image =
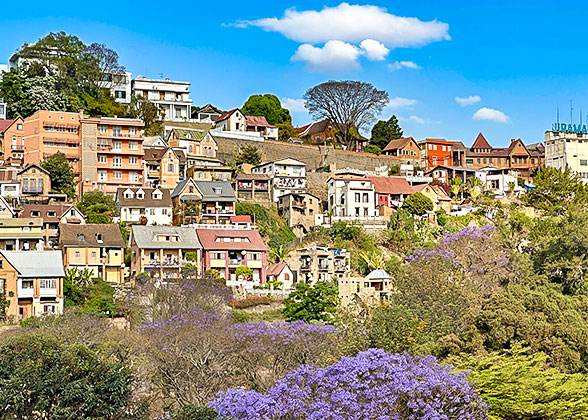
(61, 173)
(268, 106)
(384, 131)
(418, 204)
(308, 303)
(98, 207)
(349, 105)
(248, 154)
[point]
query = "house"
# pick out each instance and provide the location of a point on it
(499, 180)
(22, 234)
(317, 263)
(233, 120)
(34, 181)
(444, 173)
(258, 124)
(371, 290)
(53, 216)
(439, 198)
(171, 95)
(286, 176)
(208, 113)
(352, 198)
(164, 167)
(390, 191)
(207, 169)
(280, 273)
(436, 152)
(33, 282)
(318, 132)
(12, 141)
(196, 143)
(299, 210)
(94, 247)
(458, 152)
(216, 201)
(164, 250)
(515, 156)
(254, 188)
(405, 148)
(226, 250)
(154, 204)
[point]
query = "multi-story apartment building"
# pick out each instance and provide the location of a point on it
(214, 202)
(227, 249)
(173, 96)
(254, 188)
(119, 85)
(93, 247)
(299, 210)
(49, 132)
(32, 282)
(436, 152)
(567, 149)
(155, 204)
(22, 234)
(286, 176)
(352, 198)
(316, 264)
(12, 141)
(164, 250)
(111, 153)
(53, 216)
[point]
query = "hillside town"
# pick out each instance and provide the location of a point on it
(218, 252)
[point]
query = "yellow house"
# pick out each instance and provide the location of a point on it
(97, 248)
(21, 234)
(435, 193)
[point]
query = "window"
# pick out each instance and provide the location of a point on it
(365, 197)
(117, 161)
(93, 254)
(152, 212)
(164, 212)
(35, 213)
(170, 168)
(77, 254)
(101, 159)
(133, 130)
(49, 309)
(47, 283)
(101, 175)
(583, 162)
(217, 255)
(120, 94)
(99, 238)
(133, 145)
(133, 177)
(117, 175)
(117, 145)
(116, 131)
(102, 129)
(357, 197)
(443, 148)
(132, 160)
(51, 214)
(19, 126)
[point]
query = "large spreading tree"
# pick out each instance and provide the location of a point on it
(268, 106)
(349, 105)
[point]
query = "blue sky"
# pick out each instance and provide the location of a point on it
(510, 63)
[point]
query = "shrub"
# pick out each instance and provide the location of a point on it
(250, 301)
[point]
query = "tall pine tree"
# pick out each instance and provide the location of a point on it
(384, 131)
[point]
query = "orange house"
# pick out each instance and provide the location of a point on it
(12, 138)
(437, 152)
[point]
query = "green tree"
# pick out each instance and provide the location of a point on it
(246, 272)
(370, 148)
(286, 130)
(43, 378)
(384, 131)
(475, 187)
(248, 154)
(418, 204)
(4, 304)
(152, 115)
(455, 185)
(268, 106)
(61, 173)
(98, 207)
(555, 190)
(312, 303)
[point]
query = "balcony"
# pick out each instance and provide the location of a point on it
(233, 262)
(153, 174)
(167, 262)
(48, 292)
(25, 290)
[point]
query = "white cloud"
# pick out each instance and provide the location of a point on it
(353, 23)
(399, 102)
(418, 120)
(467, 101)
(294, 105)
(398, 65)
(333, 56)
(374, 50)
(490, 114)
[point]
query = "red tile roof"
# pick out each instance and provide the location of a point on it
(4, 124)
(208, 239)
(241, 219)
(275, 269)
(226, 114)
(257, 121)
(398, 144)
(481, 143)
(391, 185)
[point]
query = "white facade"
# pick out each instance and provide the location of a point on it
(3, 109)
(235, 122)
(9, 189)
(352, 199)
(156, 213)
(286, 176)
(173, 96)
(497, 180)
(119, 84)
(567, 149)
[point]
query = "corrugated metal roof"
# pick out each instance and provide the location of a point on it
(144, 237)
(35, 264)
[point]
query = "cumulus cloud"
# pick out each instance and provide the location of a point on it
(398, 65)
(374, 50)
(333, 56)
(353, 23)
(467, 101)
(490, 114)
(399, 102)
(418, 120)
(294, 105)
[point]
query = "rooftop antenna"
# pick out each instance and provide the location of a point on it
(558, 115)
(571, 110)
(160, 75)
(580, 116)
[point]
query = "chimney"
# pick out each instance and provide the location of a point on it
(81, 113)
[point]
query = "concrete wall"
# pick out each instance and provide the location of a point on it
(309, 154)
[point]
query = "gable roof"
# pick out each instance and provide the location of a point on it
(187, 134)
(481, 143)
(390, 184)
(144, 237)
(36, 264)
(399, 144)
(44, 209)
(209, 109)
(208, 239)
(257, 121)
(283, 161)
(313, 128)
(227, 114)
(207, 189)
(242, 218)
(86, 235)
(181, 186)
(276, 268)
(378, 275)
(156, 154)
(32, 165)
(148, 201)
(513, 144)
(4, 124)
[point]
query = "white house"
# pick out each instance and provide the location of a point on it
(10, 189)
(119, 85)
(172, 95)
(153, 203)
(497, 180)
(286, 176)
(352, 198)
(232, 120)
